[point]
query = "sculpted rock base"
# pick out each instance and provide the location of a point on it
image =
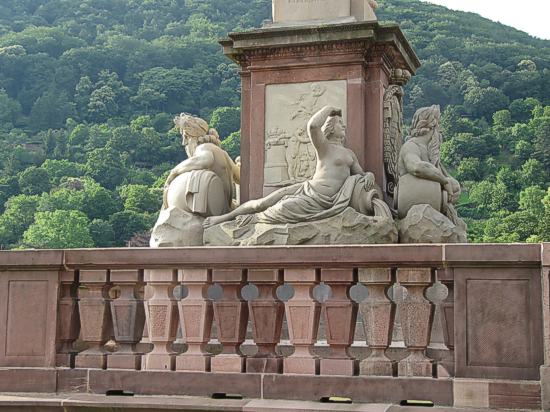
(176, 227)
(346, 228)
(424, 224)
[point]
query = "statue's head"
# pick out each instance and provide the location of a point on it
(194, 132)
(334, 129)
(425, 123)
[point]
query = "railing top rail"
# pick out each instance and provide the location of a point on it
(431, 255)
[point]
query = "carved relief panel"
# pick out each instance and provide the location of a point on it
(289, 155)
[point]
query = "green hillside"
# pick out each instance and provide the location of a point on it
(88, 90)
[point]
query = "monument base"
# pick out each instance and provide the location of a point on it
(347, 228)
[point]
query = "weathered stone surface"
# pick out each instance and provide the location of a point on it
(287, 11)
(424, 224)
(349, 227)
(175, 227)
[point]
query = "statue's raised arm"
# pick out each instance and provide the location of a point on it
(315, 127)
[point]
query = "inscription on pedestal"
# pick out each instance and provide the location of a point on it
(289, 155)
(328, 10)
(298, 10)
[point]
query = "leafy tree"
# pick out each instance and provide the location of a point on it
(533, 174)
(58, 169)
(226, 120)
(34, 180)
(485, 101)
(140, 198)
(59, 230)
(105, 166)
(51, 110)
(232, 144)
(10, 110)
(102, 233)
(125, 224)
(17, 217)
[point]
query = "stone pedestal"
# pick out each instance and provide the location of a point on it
(289, 73)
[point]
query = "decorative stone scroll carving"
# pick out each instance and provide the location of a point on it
(393, 134)
(290, 157)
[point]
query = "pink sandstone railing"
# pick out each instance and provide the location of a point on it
(108, 319)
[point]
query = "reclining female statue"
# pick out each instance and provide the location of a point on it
(339, 182)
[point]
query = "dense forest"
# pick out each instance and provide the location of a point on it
(88, 91)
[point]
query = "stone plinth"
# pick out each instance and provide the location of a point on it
(286, 12)
(348, 228)
(352, 63)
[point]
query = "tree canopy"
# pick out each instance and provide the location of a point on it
(88, 91)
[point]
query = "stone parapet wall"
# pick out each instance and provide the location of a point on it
(95, 320)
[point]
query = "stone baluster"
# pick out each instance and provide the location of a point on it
(128, 314)
(196, 314)
(162, 319)
(416, 313)
(68, 325)
(446, 277)
(267, 314)
(95, 318)
(340, 313)
(303, 314)
(378, 313)
(231, 316)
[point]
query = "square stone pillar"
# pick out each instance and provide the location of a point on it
(289, 73)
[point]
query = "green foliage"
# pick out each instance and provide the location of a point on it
(89, 88)
(34, 180)
(141, 198)
(226, 120)
(232, 144)
(59, 230)
(17, 217)
(127, 223)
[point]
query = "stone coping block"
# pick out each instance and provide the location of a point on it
(482, 254)
(37, 259)
(270, 257)
(277, 257)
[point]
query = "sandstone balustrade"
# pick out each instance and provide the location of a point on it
(104, 301)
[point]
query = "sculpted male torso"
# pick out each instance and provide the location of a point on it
(203, 155)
